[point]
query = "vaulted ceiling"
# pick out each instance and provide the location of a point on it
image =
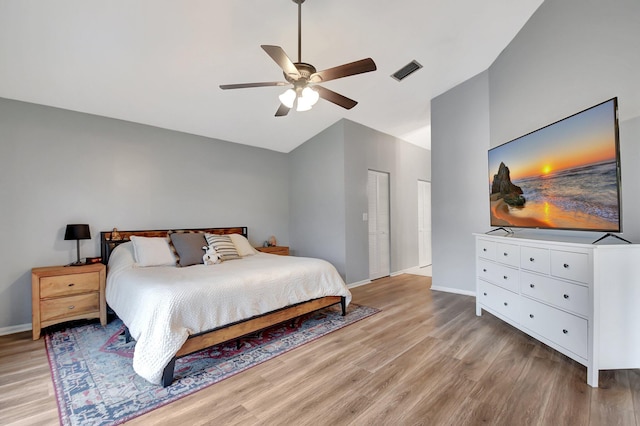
(160, 62)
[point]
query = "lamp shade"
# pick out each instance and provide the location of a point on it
(77, 232)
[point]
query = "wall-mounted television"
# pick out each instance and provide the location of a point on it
(563, 176)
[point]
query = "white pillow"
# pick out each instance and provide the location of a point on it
(243, 247)
(152, 251)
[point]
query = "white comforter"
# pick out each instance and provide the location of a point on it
(163, 305)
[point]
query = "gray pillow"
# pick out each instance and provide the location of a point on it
(188, 247)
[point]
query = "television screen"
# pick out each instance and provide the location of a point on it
(563, 176)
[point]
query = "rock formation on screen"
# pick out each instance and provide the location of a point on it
(510, 193)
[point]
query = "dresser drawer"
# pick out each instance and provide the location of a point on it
(500, 275)
(71, 306)
(570, 265)
(486, 249)
(534, 259)
(69, 284)
(562, 328)
(508, 254)
(565, 295)
(499, 300)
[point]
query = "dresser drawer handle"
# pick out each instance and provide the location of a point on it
(532, 285)
(485, 293)
(71, 284)
(72, 307)
(530, 315)
(484, 249)
(506, 304)
(566, 266)
(531, 259)
(484, 270)
(505, 277)
(565, 331)
(566, 296)
(505, 254)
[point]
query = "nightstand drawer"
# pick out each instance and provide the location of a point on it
(64, 285)
(66, 307)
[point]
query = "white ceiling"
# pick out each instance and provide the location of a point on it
(160, 62)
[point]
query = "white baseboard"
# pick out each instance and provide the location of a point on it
(453, 290)
(416, 270)
(359, 283)
(14, 329)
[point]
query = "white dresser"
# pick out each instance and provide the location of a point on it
(578, 298)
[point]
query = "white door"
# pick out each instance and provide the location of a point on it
(379, 243)
(424, 223)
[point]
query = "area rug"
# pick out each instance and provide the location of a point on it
(92, 372)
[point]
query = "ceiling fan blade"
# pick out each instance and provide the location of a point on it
(281, 58)
(352, 68)
(282, 110)
(334, 97)
(246, 85)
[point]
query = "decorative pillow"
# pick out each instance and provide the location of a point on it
(223, 245)
(188, 246)
(152, 251)
(243, 247)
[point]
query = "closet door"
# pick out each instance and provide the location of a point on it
(424, 223)
(379, 242)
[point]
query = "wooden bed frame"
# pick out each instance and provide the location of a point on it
(206, 339)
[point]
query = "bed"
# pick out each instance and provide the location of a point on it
(174, 311)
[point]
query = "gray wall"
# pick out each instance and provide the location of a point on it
(569, 56)
(59, 167)
(329, 195)
(460, 139)
(317, 227)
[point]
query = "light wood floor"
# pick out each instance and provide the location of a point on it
(425, 359)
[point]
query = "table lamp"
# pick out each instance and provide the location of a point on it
(77, 232)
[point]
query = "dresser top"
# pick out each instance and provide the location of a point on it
(574, 240)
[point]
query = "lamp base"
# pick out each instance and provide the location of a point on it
(77, 263)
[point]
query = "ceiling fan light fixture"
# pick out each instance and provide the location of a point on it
(308, 98)
(311, 95)
(287, 98)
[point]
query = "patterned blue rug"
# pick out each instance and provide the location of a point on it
(91, 365)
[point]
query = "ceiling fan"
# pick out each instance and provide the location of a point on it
(305, 78)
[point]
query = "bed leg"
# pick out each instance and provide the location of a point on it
(343, 305)
(167, 373)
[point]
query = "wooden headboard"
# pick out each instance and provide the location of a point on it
(108, 241)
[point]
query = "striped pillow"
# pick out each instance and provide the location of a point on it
(223, 245)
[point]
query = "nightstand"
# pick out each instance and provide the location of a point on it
(281, 250)
(66, 293)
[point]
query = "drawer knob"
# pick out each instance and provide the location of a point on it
(485, 293)
(484, 249)
(532, 285)
(531, 259)
(72, 307)
(530, 315)
(566, 296)
(484, 270)
(566, 265)
(565, 331)
(506, 304)
(71, 284)
(505, 254)
(505, 277)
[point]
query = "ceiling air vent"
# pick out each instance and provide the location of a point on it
(407, 70)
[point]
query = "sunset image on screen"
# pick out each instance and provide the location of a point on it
(562, 176)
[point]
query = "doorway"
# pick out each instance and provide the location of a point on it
(424, 224)
(379, 223)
